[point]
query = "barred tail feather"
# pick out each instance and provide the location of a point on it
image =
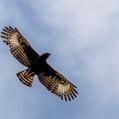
(26, 77)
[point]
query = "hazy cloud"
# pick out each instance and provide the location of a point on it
(83, 38)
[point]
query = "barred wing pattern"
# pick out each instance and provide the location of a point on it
(56, 83)
(19, 47)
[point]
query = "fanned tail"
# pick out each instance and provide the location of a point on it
(26, 77)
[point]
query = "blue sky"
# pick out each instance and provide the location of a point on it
(83, 37)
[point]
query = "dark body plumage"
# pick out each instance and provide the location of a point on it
(36, 64)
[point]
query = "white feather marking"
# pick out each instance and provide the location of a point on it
(63, 88)
(13, 40)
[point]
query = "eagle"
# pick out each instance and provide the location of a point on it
(36, 64)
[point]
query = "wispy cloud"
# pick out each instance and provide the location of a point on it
(83, 38)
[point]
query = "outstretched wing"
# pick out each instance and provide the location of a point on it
(18, 45)
(58, 84)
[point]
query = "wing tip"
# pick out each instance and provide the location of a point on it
(69, 96)
(8, 28)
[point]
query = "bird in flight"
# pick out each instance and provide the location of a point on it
(36, 64)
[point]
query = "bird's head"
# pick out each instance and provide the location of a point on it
(45, 56)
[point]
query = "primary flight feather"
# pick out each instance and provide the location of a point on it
(36, 64)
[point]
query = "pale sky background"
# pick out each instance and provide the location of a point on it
(83, 37)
